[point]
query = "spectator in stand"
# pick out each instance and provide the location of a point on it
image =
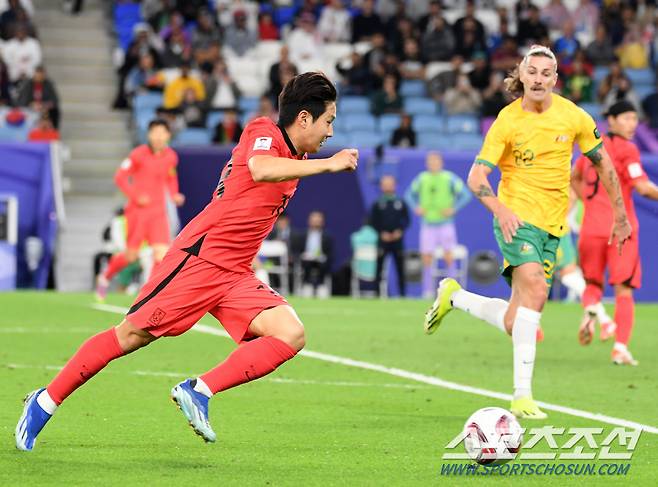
(387, 100)
(469, 25)
(650, 107)
(555, 15)
(40, 95)
(14, 14)
(335, 24)
(280, 72)
(226, 10)
(315, 251)
(601, 51)
(22, 55)
(532, 29)
(304, 41)
(480, 75)
(398, 37)
(265, 109)
(356, 79)
(176, 25)
(206, 39)
(522, 9)
(177, 43)
(412, 65)
(392, 22)
(366, 23)
(611, 81)
(434, 11)
(579, 87)
(374, 58)
(43, 131)
(632, 52)
(175, 90)
(611, 16)
(621, 91)
(143, 78)
(506, 57)
(566, 45)
(239, 37)
(497, 37)
(494, 97)
(221, 90)
(463, 98)
(470, 42)
(5, 94)
(229, 130)
(267, 29)
(440, 83)
(404, 135)
(189, 9)
(438, 41)
(159, 17)
(586, 18)
(192, 110)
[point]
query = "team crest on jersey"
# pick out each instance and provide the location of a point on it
(525, 248)
(562, 138)
(263, 143)
(156, 317)
(634, 170)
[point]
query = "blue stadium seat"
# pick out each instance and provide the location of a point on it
(353, 104)
(248, 104)
(463, 123)
(428, 123)
(594, 109)
(213, 119)
(284, 15)
(640, 77)
(365, 139)
(359, 121)
(433, 141)
(147, 100)
(388, 122)
(338, 140)
(600, 72)
(192, 137)
(126, 15)
(14, 134)
(642, 91)
(412, 87)
(471, 142)
(420, 106)
(143, 117)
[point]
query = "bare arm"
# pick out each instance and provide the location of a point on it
(577, 182)
(621, 228)
(272, 169)
(478, 183)
(647, 188)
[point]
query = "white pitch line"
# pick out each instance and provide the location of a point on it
(426, 379)
(277, 380)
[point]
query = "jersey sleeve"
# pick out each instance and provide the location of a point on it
(127, 169)
(587, 135)
(264, 140)
(494, 144)
(172, 175)
(631, 166)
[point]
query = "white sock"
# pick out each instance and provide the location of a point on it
(601, 314)
(620, 347)
(202, 388)
(524, 339)
(46, 402)
(491, 310)
(575, 282)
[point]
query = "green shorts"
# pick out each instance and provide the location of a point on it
(530, 244)
(566, 252)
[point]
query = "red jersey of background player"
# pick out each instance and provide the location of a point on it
(598, 216)
(242, 212)
(146, 174)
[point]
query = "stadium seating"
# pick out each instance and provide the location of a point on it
(428, 123)
(412, 88)
(213, 119)
(365, 138)
(338, 140)
(353, 104)
(248, 104)
(463, 123)
(594, 109)
(192, 137)
(14, 134)
(420, 105)
(145, 101)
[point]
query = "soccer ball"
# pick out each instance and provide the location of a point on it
(492, 436)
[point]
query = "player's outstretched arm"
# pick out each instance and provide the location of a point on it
(270, 169)
(478, 183)
(621, 229)
(646, 188)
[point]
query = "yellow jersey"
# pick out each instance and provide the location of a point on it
(533, 152)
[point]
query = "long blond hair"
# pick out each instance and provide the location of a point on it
(513, 82)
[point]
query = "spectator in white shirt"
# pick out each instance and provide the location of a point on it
(304, 42)
(22, 54)
(335, 23)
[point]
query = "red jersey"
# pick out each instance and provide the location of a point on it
(144, 173)
(230, 230)
(598, 216)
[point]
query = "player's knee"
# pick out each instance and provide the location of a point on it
(131, 338)
(535, 293)
(295, 336)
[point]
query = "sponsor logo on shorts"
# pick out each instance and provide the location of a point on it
(157, 317)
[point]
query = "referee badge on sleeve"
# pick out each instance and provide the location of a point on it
(263, 143)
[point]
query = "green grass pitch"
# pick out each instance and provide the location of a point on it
(311, 422)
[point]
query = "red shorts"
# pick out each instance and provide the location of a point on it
(596, 254)
(146, 227)
(184, 287)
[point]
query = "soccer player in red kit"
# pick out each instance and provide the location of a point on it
(208, 268)
(144, 177)
(596, 252)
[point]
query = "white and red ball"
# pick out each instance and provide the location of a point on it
(492, 436)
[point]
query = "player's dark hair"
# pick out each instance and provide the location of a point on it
(159, 122)
(308, 91)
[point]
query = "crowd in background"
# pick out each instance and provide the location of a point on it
(26, 92)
